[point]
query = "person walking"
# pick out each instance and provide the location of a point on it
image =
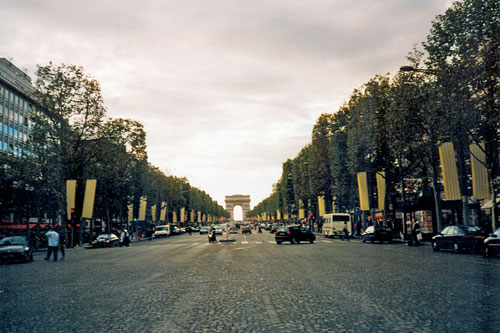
(62, 242)
(346, 232)
(53, 238)
(416, 234)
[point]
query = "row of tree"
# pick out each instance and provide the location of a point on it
(450, 93)
(73, 139)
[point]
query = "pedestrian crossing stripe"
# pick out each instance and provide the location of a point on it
(244, 242)
(325, 241)
(257, 242)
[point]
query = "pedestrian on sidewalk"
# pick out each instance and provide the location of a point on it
(53, 238)
(346, 232)
(62, 242)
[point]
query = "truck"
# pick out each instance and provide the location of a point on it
(333, 224)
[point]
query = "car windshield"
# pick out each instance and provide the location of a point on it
(204, 228)
(283, 229)
(161, 228)
(103, 236)
(8, 241)
(497, 232)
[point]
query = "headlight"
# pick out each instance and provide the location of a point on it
(487, 240)
(26, 249)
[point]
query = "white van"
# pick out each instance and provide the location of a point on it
(333, 224)
(162, 231)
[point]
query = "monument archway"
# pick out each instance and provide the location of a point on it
(237, 200)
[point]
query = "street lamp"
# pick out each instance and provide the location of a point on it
(309, 200)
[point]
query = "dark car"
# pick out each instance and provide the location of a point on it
(246, 230)
(106, 240)
(377, 233)
(273, 229)
(459, 238)
(294, 234)
(15, 248)
(491, 246)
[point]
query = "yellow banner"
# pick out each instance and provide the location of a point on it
(130, 212)
(182, 217)
(142, 209)
(174, 217)
(204, 217)
(480, 184)
(449, 170)
(88, 201)
(278, 214)
(153, 213)
(364, 203)
(199, 217)
(381, 189)
(163, 211)
(191, 216)
(321, 205)
(286, 216)
(70, 197)
(302, 213)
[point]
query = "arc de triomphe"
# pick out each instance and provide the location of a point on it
(237, 200)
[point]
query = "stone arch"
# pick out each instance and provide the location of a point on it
(237, 200)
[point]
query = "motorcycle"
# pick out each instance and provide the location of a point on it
(211, 237)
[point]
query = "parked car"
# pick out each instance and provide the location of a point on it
(491, 245)
(459, 238)
(203, 230)
(161, 231)
(15, 248)
(246, 230)
(294, 234)
(218, 230)
(379, 233)
(106, 240)
(233, 230)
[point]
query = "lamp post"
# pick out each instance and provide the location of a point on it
(309, 193)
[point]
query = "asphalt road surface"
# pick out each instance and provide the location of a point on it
(185, 284)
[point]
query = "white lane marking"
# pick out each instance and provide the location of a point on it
(270, 242)
(257, 242)
(244, 242)
(325, 241)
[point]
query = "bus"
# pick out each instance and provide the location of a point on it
(333, 224)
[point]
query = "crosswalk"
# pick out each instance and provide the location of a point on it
(241, 242)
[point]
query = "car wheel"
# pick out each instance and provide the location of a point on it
(487, 251)
(364, 239)
(435, 246)
(278, 242)
(311, 241)
(372, 240)
(456, 248)
(293, 241)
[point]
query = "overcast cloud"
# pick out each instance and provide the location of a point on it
(227, 90)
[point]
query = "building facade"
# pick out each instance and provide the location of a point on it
(17, 105)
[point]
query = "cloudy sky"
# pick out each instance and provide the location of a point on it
(227, 90)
